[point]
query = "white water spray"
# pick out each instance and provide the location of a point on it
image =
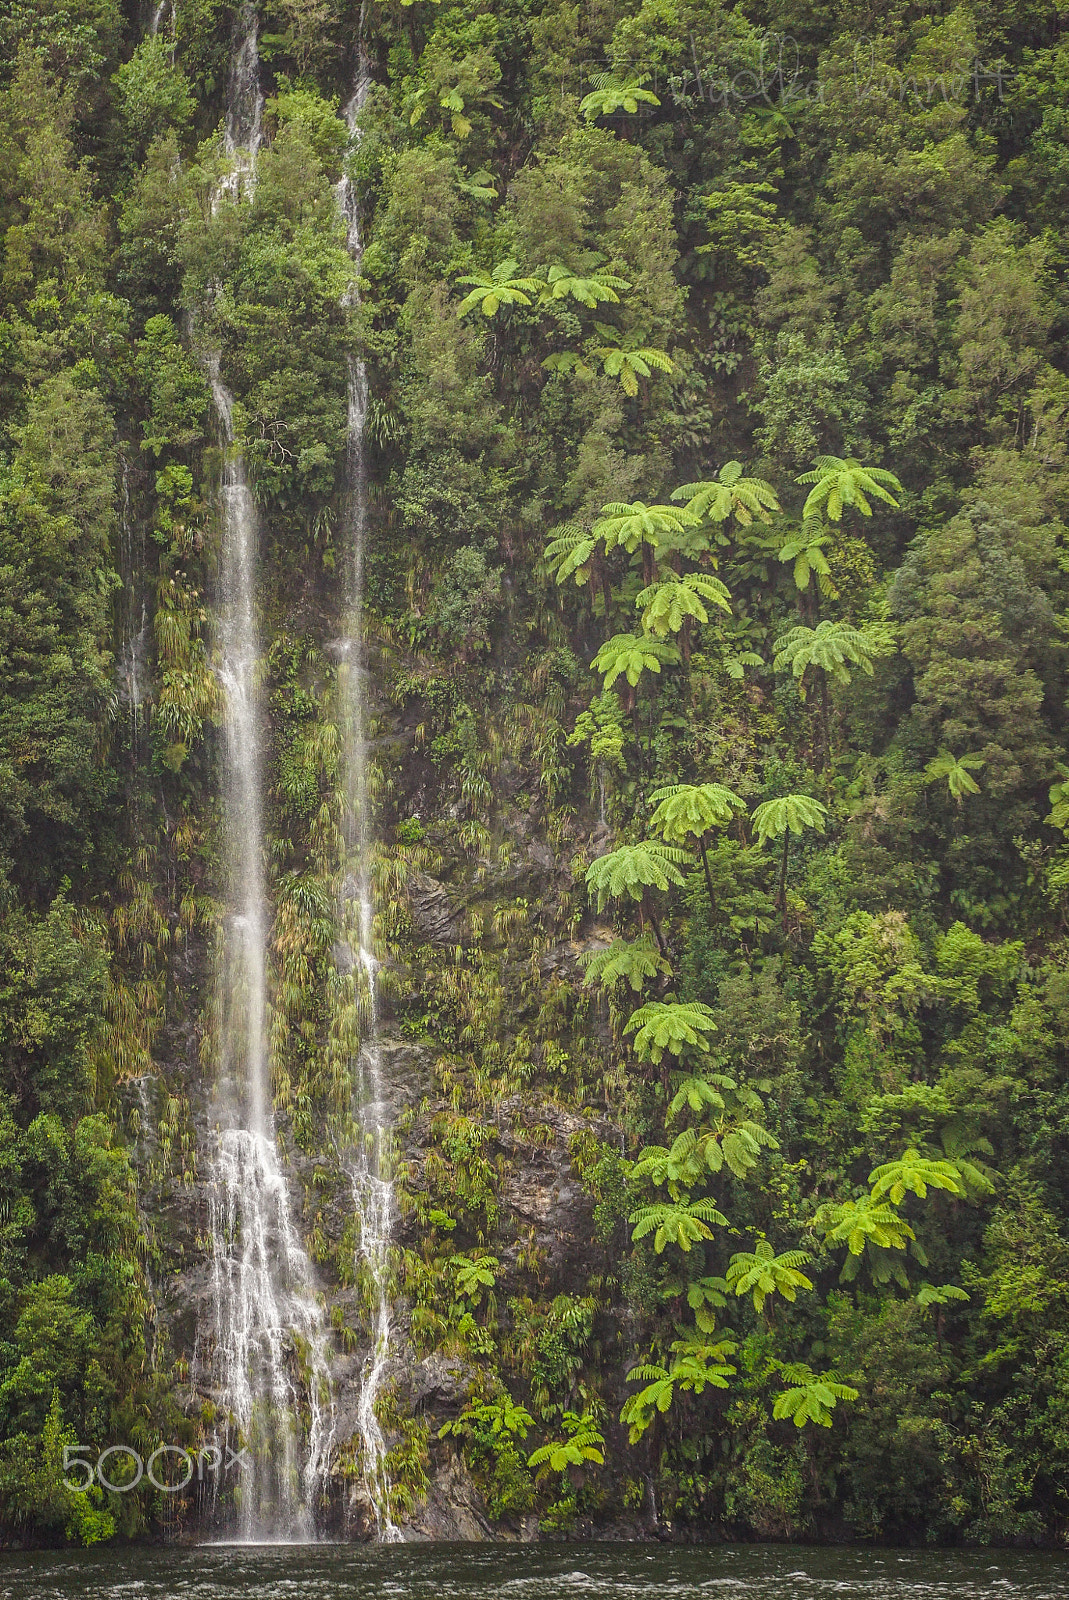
(163, 15)
(269, 1355)
(372, 1190)
(244, 97)
(133, 657)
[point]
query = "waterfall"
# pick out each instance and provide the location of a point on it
(372, 1190)
(162, 12)
(268, 1324)
(133, 656)
(244, 97)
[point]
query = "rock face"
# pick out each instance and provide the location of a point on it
(434, 912)
(538, 1226)
(438, 1382)
(540, 1191)
(454, 1508)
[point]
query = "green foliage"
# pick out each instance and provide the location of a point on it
(838, 483)
(671, 1025)
(683, 1223)
(466, 600)
(153, 96)
(633, 869)
(316, 118)
(572, 296)
(957, 770)
(52, 975)
(761, 1272)
(582, 1442)
(490, 1431)
(811, 1397)
(773, 819)
(33, 1486)
(499, 1420)
(833, 647)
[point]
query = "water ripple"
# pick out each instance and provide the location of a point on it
(532, 1572)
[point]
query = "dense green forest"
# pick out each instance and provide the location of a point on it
(717, 602)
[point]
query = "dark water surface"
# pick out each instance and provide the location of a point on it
(532, 1572)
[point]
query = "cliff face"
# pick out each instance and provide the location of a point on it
(533, 778)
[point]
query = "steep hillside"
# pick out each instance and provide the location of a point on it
(534, 783)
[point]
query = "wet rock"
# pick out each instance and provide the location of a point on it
(454, 1508)
(347, 1379)
(436, 916)
(405, 1073)
(439, 1382)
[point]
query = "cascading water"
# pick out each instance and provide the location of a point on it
(162, 13)
(133, 658)
(244, 97)
(372, 1190)
(267, 1321)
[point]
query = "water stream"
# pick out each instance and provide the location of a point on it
(162, 17)
(624, 1571)
(268, 1358)
(134, 673)
(244, 97)
(372, 1191)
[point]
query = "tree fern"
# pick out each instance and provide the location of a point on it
(730, 494)
(671, 1025)
(631, 523)
(806, 550)
(633, 962)
(496, 289)
(634, 868)
(957, 770)
(629, 365)
(583, 1442)
(834, 647)
(812, 1396)
(688, 810)
(666, 605)
(568, 551)
(916, 1174)
(760, 1273)
(696, 1367)
(629, 655)
(610, 95)
(684, 1224)
(792, 812)
(942, 1294)
(839, 482)
(856, 1223)
(594, 289)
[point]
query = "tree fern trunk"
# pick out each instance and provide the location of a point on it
(708, 874)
